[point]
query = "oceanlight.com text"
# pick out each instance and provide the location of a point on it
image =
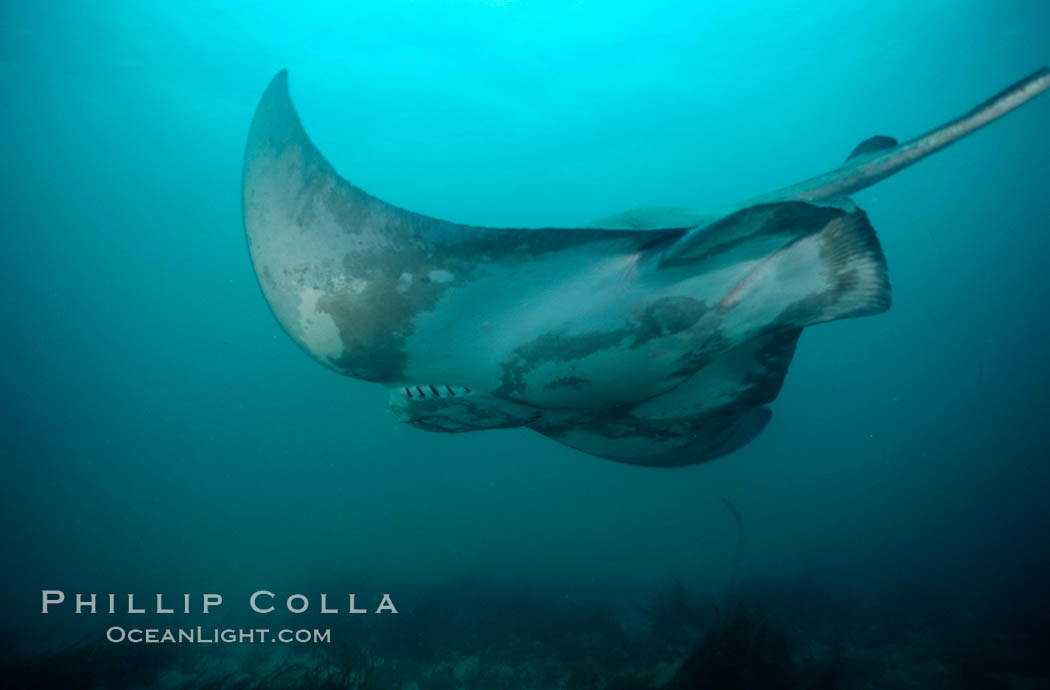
(201, 635)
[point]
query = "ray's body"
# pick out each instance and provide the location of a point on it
(655, 337)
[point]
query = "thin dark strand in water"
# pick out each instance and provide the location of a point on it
(735, 576)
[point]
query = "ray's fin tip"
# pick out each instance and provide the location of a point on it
(278, 85)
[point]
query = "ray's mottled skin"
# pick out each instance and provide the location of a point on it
(653, 337)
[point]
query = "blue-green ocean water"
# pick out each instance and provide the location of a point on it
(160, 430)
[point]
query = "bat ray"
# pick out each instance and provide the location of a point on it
(655, 337)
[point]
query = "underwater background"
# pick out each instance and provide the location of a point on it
(161, 433)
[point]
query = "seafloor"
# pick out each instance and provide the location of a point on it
(484, 636)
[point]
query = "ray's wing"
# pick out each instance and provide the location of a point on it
(345, 273)
(714, 412)
(655, 217)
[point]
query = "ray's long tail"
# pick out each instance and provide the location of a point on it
(885, 157)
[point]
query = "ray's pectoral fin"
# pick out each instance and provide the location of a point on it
(748, 234)
(796, 264)
(836, 273)
(716, 411)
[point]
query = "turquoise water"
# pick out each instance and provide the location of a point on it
(162, 433)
